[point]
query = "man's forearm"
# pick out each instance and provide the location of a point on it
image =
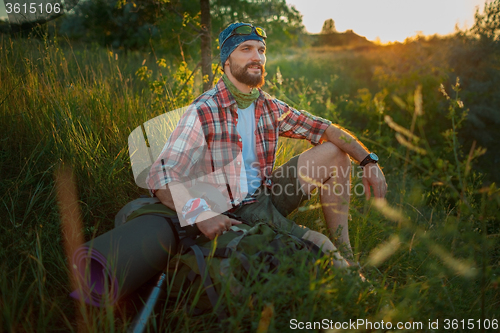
(181, 193)
(208, 222)
(345, 141)
(165, 197)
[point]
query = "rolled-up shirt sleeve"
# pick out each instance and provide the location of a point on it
(183, 149)
(301, 124)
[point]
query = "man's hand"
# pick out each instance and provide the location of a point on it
(214, 224)
(374, 177)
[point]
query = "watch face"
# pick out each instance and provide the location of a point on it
(374, 156)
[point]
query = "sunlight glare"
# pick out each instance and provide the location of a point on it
(390, 20)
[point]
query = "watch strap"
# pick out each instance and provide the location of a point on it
(367, 159)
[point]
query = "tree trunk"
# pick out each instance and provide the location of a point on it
(206, 45)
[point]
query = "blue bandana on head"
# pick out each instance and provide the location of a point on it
(232, 43)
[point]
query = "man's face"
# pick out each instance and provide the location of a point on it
(247, 63)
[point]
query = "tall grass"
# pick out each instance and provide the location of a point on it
(431, 251)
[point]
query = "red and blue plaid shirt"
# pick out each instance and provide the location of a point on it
(206, 146)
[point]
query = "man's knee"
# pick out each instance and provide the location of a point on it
(338, 156)
(321, 163)
(324, 160)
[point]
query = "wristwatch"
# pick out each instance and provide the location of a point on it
(371, 158)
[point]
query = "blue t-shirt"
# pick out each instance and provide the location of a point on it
(250, 178)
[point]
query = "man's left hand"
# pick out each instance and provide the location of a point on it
(374, 177)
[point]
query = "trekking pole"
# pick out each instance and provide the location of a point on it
(140, 321)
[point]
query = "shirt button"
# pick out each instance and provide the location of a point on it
(239, 139)
(238, 163)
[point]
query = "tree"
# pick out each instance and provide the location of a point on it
(206, 45)
(179, 27)
(113, 23)
(488, 24)
(283, 23)
(328, 27)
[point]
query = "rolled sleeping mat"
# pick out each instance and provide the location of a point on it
(115, 264)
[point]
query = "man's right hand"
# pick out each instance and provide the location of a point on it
(214, 224)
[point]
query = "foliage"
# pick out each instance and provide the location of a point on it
(130, 25)
(474, 57)
(163, 88)
(328, 27)
(487, 24)
(282, 23)
(111, 23)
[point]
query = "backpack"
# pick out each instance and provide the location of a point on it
(205, 270)
(199, 273)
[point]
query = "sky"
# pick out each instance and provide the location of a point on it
(389, 20)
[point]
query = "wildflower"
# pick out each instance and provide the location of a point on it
(443, 91)
(279, 77)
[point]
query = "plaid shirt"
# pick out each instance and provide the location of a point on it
(205, 144)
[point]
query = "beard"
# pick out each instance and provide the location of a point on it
(242, 75)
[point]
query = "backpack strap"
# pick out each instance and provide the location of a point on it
(239, 218)
(187, 242)
(181, 232)
(185, 245)
(234, 242)
(207, 281)
(270, 258)
(243, 259)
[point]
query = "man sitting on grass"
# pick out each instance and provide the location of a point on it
(239, 125)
